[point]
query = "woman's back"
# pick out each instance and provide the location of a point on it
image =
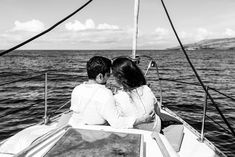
(137, 102)
(136, 98)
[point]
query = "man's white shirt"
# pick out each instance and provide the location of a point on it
(95, 104)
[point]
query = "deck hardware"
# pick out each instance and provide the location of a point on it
(46, 118)
(154, 63)
(201, 138)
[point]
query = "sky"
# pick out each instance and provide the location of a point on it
(108, 24)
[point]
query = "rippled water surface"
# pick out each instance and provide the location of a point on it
(22, 102)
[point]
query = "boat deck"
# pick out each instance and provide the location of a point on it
(59, 139)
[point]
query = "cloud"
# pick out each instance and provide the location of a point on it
(185, 35)
(162, 32)
(88, 25)
(202, 34)
(94, 34)
(78, 26)
(29, 26)
(229, 32)
(106, 26)
(22, 30)
(74, 35)
(12, 36)
(88, 35)
(97, 36)
(157, 39)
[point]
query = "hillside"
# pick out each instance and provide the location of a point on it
(218, 44)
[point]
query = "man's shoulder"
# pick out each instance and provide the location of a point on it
(100, 89)
(104, 95)
(78, 87)
(105, 91)
(81, 88)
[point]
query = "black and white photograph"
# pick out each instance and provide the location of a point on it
(117, 78)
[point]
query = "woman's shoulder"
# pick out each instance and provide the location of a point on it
(146, 87)
(146, 90)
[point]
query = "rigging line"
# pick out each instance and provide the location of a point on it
(222, 93)
(23, 79)
(218, 124)
(196, 84)
(195, 72)
(46, 31)
(177, 81)
(51, 115)
(27, 78)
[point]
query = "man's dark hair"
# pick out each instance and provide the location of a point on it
(97, 65)
(127, 73)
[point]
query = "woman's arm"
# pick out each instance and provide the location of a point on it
(145, 118)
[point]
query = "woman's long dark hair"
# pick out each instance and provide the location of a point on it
(127, 73)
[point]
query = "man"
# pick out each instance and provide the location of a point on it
(93, 103)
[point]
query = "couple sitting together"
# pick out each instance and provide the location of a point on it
(92, 103)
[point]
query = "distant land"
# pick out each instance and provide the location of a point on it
(216, 44)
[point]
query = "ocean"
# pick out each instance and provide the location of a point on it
(22, 102)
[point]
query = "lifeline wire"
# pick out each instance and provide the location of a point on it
(195, 72)
(46, 31)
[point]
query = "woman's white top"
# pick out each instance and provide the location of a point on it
(138, 102)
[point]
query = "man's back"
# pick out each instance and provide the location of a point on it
(88, 103)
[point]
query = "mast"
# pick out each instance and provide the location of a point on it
(135, 32)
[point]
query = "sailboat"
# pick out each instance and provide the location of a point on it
(55, 137)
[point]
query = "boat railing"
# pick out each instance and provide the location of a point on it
(44, 74)
(230, 130)
(201, 139)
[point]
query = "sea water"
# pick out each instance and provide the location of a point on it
(22, 102)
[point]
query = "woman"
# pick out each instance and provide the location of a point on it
(135, 98)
